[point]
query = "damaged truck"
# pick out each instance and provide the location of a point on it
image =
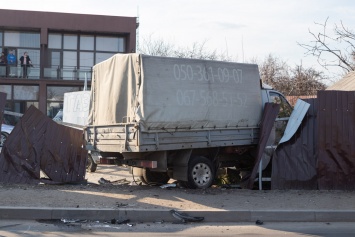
(176, 118)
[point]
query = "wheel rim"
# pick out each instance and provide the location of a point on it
(201, 174)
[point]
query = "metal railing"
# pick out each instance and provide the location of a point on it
(55, 73)
(67, 73)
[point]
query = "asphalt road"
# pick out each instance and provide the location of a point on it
(10, 228)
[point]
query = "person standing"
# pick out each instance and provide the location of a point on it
(11, 58)
(3, 64)
(2, 59)
(25, 63)
(11, 62)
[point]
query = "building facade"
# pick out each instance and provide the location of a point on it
(62, 48)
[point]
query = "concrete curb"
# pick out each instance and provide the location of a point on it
(154, 215)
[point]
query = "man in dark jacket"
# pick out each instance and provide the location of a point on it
(25, 63)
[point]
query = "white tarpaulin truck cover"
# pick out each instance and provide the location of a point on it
(161, 93)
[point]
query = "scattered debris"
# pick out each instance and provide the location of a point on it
(168, 186)
(119, 222)
(259, 222)
(184, 218)
(159, 222)
(119, 204)
(231, 186)
(104, 181)
(72, 220)
(119, 181)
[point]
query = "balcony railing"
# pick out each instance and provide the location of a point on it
(57, 73)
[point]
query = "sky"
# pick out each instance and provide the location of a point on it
(243, 30)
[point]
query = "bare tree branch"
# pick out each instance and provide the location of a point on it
(341, 47)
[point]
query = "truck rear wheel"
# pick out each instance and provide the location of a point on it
(152, 177)
(91, 165)
(200, 172)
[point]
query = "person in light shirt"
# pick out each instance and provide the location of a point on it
(25, 63)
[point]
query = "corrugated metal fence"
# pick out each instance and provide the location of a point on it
(336, 136)
(322, 152)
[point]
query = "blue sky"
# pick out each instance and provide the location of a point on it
(243, 29)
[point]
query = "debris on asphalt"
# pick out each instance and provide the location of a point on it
(119, 204)
(119, 222)
(159, 222)
(72, 220)
(184, 218)
(259, 222)
(115, 182)
(231, 186)
(104, 181)
(167, 186)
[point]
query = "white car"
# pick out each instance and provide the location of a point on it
(5, 131)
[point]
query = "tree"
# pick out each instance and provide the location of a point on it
(156, 47)
(305, 81)
(339, 47)
(291, 81)
(159, 47)
(274, 72)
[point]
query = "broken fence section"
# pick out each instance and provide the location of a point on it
(39, 144)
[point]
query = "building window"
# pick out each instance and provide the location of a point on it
(70, 42)
(21, 39)
(55, 98)
(54, 41)
(86, 59)
(86, 42)
(26, 92)
(71, 57)
(103, 56)
(16, 43)
(20, 97)
(6, 89)
(107, 44)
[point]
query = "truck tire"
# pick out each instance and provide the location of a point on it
(200, 173)
(152, 177)
(91, 165)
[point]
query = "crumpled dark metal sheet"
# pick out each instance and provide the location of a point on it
(270, 113)
(294, 162)
(39, 144)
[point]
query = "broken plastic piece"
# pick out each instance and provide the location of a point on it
(184, 218)
(168, 186)
(259, 222)
(72, 220)
(104, 181)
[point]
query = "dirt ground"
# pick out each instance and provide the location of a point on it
(123, 192)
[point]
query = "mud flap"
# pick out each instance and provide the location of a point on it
(180, 164)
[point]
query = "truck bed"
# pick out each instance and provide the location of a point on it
(125, 137)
